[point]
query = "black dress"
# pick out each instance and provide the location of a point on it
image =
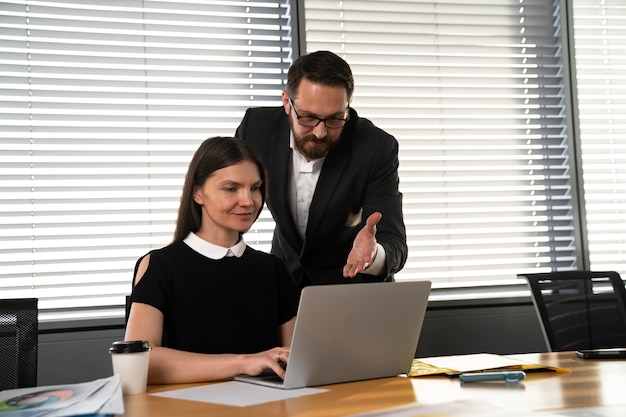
(228, 305)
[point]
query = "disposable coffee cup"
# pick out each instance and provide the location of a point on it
(130, 361)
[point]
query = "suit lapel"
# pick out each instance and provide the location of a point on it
(327, 183)
(330, 176)
(278, 167)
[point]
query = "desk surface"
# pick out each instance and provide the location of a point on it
(591, 383)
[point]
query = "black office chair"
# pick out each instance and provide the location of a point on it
(19, 332)
(127, 309)
(580, 309)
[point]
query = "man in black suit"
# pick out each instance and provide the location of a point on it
(333, 179)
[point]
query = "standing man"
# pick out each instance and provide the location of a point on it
(333, 179)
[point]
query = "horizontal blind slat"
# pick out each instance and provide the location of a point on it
(473, 91)
(102, 106)
(601, 85)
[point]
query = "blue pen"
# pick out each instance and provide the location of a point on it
(509, 377)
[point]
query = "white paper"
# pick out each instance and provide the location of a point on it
(472, 362)
(102, 396)
(235, 393)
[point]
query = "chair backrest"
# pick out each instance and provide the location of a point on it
(580, 309)
(19, 332)
(127, 310)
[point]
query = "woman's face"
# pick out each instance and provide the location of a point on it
(230, 200)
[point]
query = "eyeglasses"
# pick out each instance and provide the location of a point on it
(312, 121)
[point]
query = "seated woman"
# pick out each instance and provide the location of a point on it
(210, 306)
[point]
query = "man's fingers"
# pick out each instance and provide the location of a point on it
(360, 257)
(373, 219)
(349, 271)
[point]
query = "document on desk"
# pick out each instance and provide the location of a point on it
(235, 393)
(99, 397)
(456, 364)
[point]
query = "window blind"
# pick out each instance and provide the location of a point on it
(473, 91)
(103, 104)
(600, 54)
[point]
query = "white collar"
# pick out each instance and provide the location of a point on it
(213, 251)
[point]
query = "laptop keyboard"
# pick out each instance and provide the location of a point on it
(270, 377)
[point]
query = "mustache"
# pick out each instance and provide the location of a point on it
(313, 138)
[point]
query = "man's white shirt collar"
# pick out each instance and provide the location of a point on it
(214, 251)
(302, 185)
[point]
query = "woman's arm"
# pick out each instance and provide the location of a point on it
(171, 366)
(285, 332)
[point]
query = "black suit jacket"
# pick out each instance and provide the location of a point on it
(359, 177)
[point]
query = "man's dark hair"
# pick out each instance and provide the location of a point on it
(321, 67)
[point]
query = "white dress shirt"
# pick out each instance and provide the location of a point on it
(301, 188)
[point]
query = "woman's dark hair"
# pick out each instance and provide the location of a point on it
(213, 154)
(321, 67)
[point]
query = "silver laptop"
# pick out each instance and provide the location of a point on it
(352, 332)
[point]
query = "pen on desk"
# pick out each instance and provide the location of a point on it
(506, 376)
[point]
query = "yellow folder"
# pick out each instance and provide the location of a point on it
(478, 362)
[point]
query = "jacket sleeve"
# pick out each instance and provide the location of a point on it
(383, 195)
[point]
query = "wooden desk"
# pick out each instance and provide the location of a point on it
(590, 383)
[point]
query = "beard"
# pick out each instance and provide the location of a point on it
(313, 147)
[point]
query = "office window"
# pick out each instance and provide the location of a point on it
(600, 54)
(474, 93)
(103, 104)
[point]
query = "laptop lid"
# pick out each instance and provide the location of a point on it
(351, 332)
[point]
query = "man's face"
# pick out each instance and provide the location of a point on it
(317, 101)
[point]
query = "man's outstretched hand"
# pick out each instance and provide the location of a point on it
(363, 248)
